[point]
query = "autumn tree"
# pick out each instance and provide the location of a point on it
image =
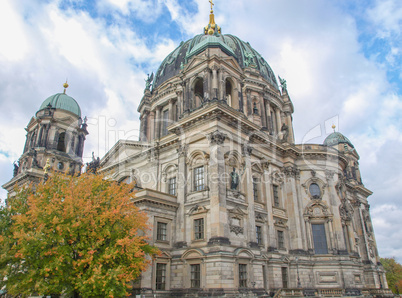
(73, 235)
(393, 271)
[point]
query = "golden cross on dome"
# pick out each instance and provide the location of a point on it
(333, 127)
(212, 4)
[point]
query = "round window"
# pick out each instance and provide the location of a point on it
(315, 190)
(60, 165)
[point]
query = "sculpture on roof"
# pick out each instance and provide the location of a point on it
(283, 84)
(148, 81)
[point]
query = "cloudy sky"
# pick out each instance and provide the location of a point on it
(341, 59)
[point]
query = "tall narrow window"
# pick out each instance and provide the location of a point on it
(258, 230)
(284, 277)
(320, 239)
(276, 195)
(255, 188)
(199, 229)
(199, 178)
(172, 186)
(160, 276)
(195, 276)
(165, 122)
(281, 240)
(61, 145)
(242, 275)
(161, 231)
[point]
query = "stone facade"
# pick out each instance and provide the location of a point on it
(237, 208)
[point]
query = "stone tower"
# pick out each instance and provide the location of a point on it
(56, 134)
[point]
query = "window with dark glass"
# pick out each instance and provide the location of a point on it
(242, 275)
(195, 275)
(320, 239)
(199, 228)
(255, 188)
(199, 178)
(258, 230)
(161, 231)
(160, 276)
(61, 142)
(276, 195)
(281, 240)
(284, 277)
(315, 190)
(165, 122)
(172, 186)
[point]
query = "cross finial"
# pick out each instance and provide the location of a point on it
(333, 127)
(212, 4)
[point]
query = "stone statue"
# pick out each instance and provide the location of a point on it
(285, 132)
(16, 168)
(93, 166)
(283, 84)
(148, 81)
(255, 109)
(34, 155)
(234, 183)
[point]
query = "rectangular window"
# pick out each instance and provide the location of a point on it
(258, 231)
(172, 186)
(276, 195)
(281, 240)
(195, 276)
(284, 277)
(255, 189)
(165, 122)
(199, 229)
(320, 239)
(199, 178)
(161, 231)
(242, 275)
(160, 276)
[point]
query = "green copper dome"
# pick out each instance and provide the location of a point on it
(233, 46)
(336, 138)
(63, 102)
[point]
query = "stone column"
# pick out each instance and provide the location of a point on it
(214, 83)
(263, 112)
(222, 85)
(268, 113)
(157, 122)
(249, 105)
(219, 227)
(240, 95)
(251, 235)
(171, 111)
(180, 228)
(278, 120)
(291, 138)
(179, 102)
(151, 126)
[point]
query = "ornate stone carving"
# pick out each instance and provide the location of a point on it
(182, 150)
(216, 137)
(329, 174)
(291, 172)
(246, 149)
(236, 229)
(346, 210)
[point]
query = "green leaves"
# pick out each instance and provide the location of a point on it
(74, 234)
(394, 274)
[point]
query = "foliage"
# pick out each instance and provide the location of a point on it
(73, 235)
(394, 274)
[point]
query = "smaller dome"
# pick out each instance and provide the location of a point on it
(63, 102)
(336, 138)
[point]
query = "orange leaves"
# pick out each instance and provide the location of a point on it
(83, 232)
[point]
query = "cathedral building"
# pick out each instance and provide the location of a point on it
(236, 206)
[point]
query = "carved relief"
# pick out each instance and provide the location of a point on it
(216, 137)
(346, 210)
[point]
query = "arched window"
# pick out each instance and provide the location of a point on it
(228, 95)
(61, 142)
(198, 92)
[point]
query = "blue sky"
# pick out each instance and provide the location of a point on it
(341, 59)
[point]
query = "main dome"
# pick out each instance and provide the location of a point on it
(62, 101)
(233, 46)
